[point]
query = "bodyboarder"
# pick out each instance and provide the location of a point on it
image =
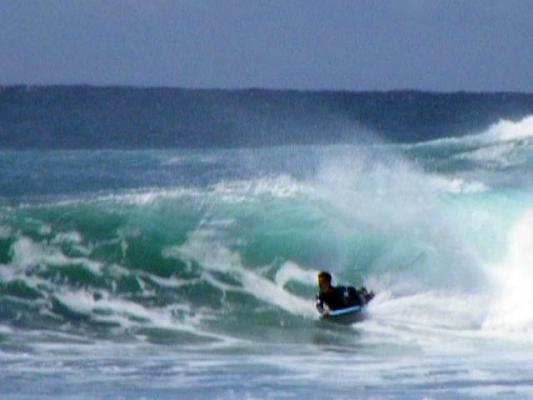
(331, 297)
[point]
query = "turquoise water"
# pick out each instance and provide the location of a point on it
(191, 273)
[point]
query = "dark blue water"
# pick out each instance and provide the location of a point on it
(130, 118)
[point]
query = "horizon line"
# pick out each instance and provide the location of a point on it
(30, 86)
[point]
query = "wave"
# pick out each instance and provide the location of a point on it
(501, 131)
(506, 130)
(504, 144)
(236, 259)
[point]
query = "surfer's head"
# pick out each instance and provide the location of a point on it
(324, 281)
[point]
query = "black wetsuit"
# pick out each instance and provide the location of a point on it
(340, 297)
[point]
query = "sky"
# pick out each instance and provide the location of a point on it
(437, 45)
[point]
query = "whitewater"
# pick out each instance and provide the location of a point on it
(191, 273)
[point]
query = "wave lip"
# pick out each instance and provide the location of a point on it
(502, 131)
(506, 130)
(504, 144)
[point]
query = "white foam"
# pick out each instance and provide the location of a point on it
(281, 186)
(171, 282)
(362, 190)
(436, 309)
(27, 253)
(391, 199)
(185, 159)
(506, 130)
(213, 256)
(456, 185)
(501, 143)
(499, 132)
(140, 197)
(290, 271)
(6, 330)
(45, 229)
(149, 196)
(441, 285)
(501, 309)
(68, 237)
(511, 309)
(129, 231)
(494, 153)
(234, 191)
(131, 314)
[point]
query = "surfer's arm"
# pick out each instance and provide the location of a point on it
(321, 306)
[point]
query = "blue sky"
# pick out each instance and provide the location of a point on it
(473, 45)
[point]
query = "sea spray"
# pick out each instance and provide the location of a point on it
(511, 304)
(391, 204)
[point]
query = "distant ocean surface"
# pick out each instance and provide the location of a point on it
(164, 243)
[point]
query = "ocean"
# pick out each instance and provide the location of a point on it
(164, 243)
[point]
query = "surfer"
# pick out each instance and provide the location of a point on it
(332, 297)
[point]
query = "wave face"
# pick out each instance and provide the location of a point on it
(81, 117)
(221, 246)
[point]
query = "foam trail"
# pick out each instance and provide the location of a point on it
(27, 253)
(291, 271)
(216, 257)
